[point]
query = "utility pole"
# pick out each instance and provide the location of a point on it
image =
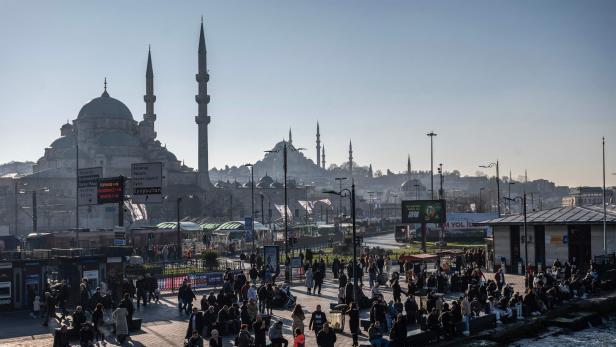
(431, 134)
(604, 205)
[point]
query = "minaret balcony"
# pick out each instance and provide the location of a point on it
(202, 99)
(202, 120)
(149, 98)
(205, 77)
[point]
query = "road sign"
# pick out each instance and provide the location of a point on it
(423, 211)
(119, 238)
(110, 190)
(147, 182)
(87, 182)
(248, 229)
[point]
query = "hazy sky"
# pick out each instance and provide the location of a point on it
(532, 83)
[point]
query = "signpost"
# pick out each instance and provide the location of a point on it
(119, 238)
(424, 212)
(111, 191)
(248, 229)
(147, 182)
(87, 182)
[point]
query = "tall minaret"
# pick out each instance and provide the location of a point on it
(350, 158)
(147, 125)
(290, 137)
(323, 157)
(318, 146)
(408, 166)
(370, 174)
(202, 119)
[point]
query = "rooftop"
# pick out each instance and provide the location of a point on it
(589, 214)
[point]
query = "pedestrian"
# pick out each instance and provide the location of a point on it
(215, 340)
(275, 335)
(317, 320)
(127, 303)
(319, 275)
(260, 328)
(36, 307)
(397, 337)
(195, 340)
(196, 322)
(298, 318)
(353, 313)
(326, 337)
(61, 338)
(300, 339)
(309, 280)
(121, 326)
(375, 335)
(243, 338)
(98, 321)
(86, 336)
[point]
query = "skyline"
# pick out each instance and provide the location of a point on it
(307, 73)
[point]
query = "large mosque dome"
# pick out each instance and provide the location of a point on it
(104, 107)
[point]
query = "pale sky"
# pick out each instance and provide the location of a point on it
(532, 83)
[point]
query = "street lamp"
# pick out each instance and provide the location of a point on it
(431, 134)
(340, 179)
(350, 193)
(497, 184)
(523, 201)
(252, 203)
(178, 226)
(34, 205)
(286, 217)
(480, 209)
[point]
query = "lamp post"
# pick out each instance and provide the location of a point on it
(178, 226)
(351, 193)
(431, 134)
(34, 205)
(523, 201)
(252, 203)
(371, 195)
(509, 184)
(497, 184)
(286, 214)
(480, 209)
(340, 179)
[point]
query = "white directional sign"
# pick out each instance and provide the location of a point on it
(87, 183)
(147, 182)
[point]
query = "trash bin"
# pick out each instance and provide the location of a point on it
(336, 320)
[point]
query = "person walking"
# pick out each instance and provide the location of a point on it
(298, 318)
(299, 340)
(317, 320)
(353, 313)
(98, 321)
(121, 326)
(309, 280)
(326, 337)
(275, 335)
(318, 280)
(260, 329)
(243, 338)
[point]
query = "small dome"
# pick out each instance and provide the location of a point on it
(246, 185)
(265, 182)
(117, 139)
(63, 142)
(105, 107)
(409, 185)
(276, 185)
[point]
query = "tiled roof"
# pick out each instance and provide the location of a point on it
(590, 214)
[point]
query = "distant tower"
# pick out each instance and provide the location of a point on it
(370, 171)
(147, 125)
(318, 146)
(202, 119)
(290, 137)
(350, 158)
(408, 166)
(323, 158)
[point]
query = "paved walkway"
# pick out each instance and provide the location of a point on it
(163, 325)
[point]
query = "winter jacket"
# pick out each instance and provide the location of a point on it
(119, 318)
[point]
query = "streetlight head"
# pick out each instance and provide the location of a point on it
(331, 192)
(249, 164)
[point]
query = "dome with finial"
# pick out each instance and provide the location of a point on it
(276, 185)
(105, 107)
(265, 182)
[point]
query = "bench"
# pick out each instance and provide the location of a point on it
(482, 323)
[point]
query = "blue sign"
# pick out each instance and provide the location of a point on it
(248, 229)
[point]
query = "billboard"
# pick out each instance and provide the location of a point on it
(110, 190)
(270, 254)
(147, 182)
(423, 211)
(87, 182)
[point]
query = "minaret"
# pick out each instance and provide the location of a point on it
(290, 138)
(370, 171)
(408, 166)
(350, 158)
(318, 146)
(147, 125)
(323, 157)
(202, 119)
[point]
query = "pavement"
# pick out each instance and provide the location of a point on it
(163, 325)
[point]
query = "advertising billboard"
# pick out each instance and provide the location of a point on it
(87, 182)
(147, 182)
(110, 190)
(423, 211)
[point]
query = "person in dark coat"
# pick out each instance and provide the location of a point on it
(86, 335)
(348, 293)
(326, 337)
(127, 303)
(195, 323)
(260, 329)
(61, 338)
(397, 337)
(317, 320)
(353, 313)
(188, 297)
(411, 307)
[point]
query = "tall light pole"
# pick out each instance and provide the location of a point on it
(498, 198)
(371, 195)
(340, 179)
(252, 203)
(431, 134)
(604, 205)
(510, 183)
(523, 201)
(34, 205)
(286, 214)
(344, 193)
(178, 202)
(480, 209)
